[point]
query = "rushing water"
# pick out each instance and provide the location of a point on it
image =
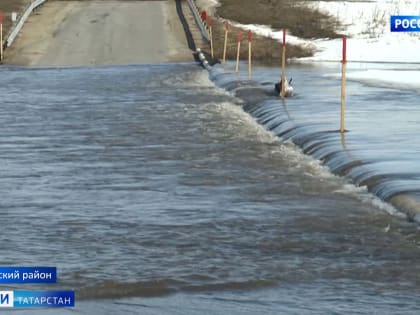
(380, 148)
(154, 192)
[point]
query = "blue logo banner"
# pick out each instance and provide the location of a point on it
(43, 299)
(28, 274)
(12, 299)
(405, 23)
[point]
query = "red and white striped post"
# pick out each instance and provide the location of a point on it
(249, 54)
(239, 38)
(209, 22)
(283, 66)
(226, 37)
(343, 85)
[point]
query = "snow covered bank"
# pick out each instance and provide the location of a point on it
(367, 25)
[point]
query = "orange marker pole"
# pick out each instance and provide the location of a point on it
(343, 85)
(239, 50)
(249, 54)
(1, 42)
(283, 66)
(1, 36)
(226, 37)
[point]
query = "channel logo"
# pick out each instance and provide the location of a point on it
(405, 23)
(6, 298)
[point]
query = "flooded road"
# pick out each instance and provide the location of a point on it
(154, 192)
(379, 149)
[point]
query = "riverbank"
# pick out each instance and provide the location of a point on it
(278, 14)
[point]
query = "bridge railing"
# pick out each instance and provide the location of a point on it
(202, 25)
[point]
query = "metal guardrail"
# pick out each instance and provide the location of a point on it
(10, 37)
(197, 17)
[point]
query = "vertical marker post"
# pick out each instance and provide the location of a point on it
(239, 50)
(226, 37)
(343, 85)
(209, 21)
(1, 36)
(249, 54)
(283, 67)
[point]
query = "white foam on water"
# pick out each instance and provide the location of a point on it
(308, 165)
(189, 78)
(311, 167)
(362, 194)
(250, 126)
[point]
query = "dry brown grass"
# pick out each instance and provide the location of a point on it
(265, 50)
(299, 20)
(278, 14)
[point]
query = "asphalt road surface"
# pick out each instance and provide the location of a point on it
(79, 33)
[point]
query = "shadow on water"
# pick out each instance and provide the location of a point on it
(380, 149)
